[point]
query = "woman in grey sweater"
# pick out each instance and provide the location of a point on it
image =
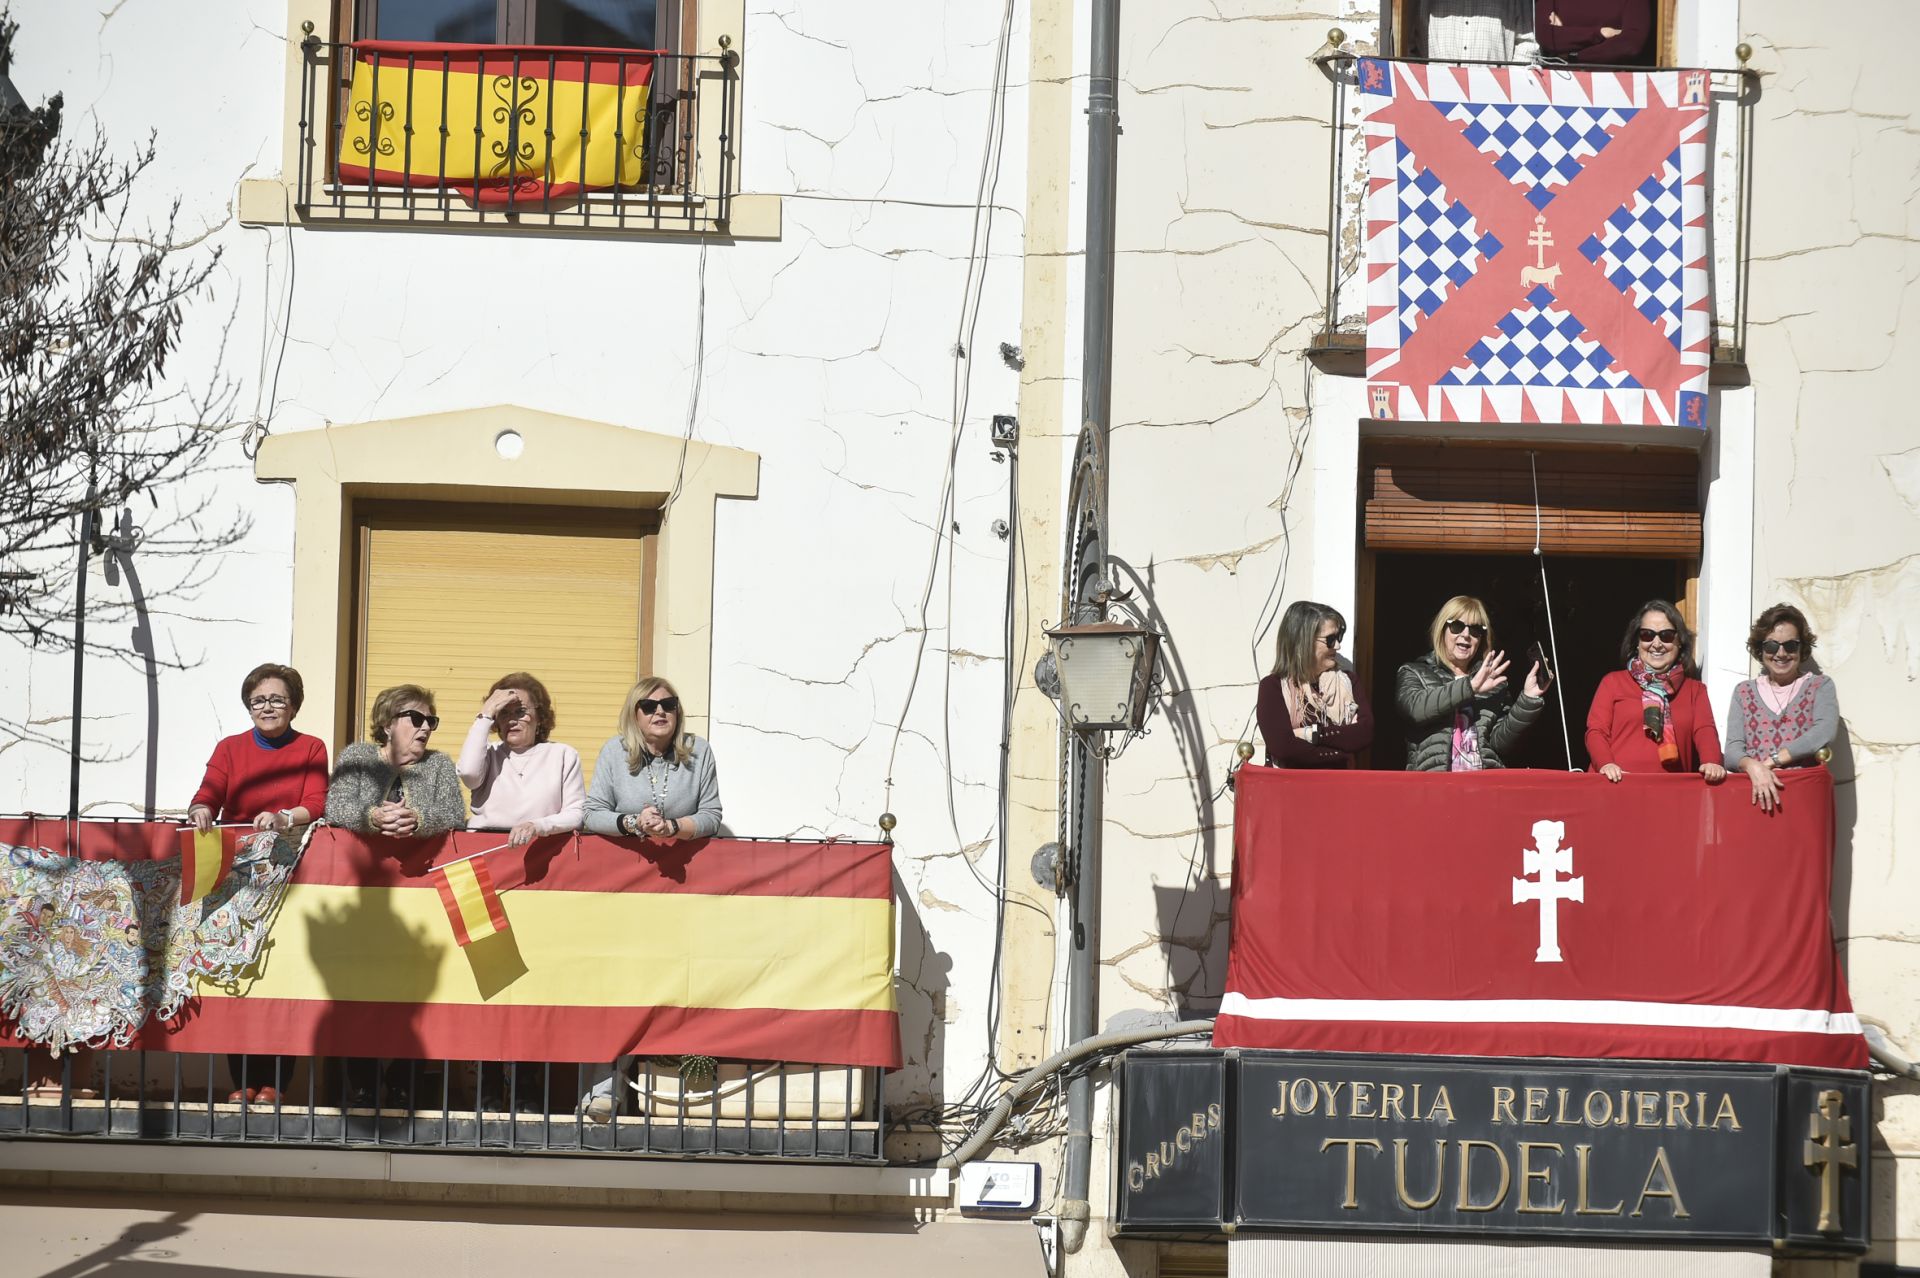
(1786, 717)
(1453, 698)
(394, 785)
(653, 779)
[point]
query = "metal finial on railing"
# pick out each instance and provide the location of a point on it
(1244, 750)
(1744, 52)
(1336, 38)
(887, 822)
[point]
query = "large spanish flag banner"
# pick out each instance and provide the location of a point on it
(500, 124)
(768, 951)
(1535, 914)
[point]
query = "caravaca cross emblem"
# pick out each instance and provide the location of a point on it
(1829, 1148)
(1548, 860)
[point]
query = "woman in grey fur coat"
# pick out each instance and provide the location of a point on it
(1454, 701)
(394, 785)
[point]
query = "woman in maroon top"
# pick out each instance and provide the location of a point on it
(1312, 711)
(276, 779)
(1595, 32)
(1653, 716)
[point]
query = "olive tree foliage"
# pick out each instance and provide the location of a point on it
(92, 304)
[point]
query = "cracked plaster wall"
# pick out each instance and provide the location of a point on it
(829, 353)
(1222, 238)
(1834, 347)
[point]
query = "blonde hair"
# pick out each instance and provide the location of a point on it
(629, 733)
(1459, 608)
(388, 705)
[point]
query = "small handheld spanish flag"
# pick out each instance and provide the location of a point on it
(206, 858)
(473, 904)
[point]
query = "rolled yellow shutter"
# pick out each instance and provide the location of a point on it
(455, 608)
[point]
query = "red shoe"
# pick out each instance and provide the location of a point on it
(266, 1096)
(242, 1096)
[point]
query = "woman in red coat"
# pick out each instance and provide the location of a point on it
(1654, 716)
(275, 779)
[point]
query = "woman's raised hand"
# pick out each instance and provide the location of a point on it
(1537, 681)
(497, 700)
(1492, 674)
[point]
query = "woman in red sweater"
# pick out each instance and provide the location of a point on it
(1653, 716)
(276, 779)
(269, 775)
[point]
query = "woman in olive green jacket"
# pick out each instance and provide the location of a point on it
(1453, 700)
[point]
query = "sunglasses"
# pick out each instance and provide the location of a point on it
(1789, 646)
(1334, 640)
(1473, 628)
(267, 703)
(1664, 636)
(647, 705)
(419, 720)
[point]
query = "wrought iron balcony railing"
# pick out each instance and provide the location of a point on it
(527, 136)
(737, 1108)
(1732, 95)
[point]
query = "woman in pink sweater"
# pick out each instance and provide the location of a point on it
(522, 783)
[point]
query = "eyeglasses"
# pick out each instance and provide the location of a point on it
(1474, 628)
(1789, 646)
(419, 720)
(1335, 639)
(267, 703)
(1664, 636)
(647, 705)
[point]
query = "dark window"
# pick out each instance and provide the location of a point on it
(599, 24)
(596, 24)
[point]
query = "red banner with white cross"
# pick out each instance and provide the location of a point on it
(1535, 914)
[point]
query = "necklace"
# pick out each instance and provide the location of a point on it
(517, 762)
(657, 784)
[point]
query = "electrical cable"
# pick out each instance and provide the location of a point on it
(1546, 598)
(699, 376)
(973, 290)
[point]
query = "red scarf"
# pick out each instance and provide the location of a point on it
(1657, 692)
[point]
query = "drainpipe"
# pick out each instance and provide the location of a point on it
(1087, 766)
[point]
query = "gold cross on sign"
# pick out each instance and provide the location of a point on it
(1829, 1148)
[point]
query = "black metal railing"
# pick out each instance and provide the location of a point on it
(402, 146)
(1732, 94)
(646, 1106)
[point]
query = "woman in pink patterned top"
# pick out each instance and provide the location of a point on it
(1788, 715)
(524, 783)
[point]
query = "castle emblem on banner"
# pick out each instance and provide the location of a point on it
(1536, 244)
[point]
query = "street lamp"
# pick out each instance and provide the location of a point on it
(1105, 669)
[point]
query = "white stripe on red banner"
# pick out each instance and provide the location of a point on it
(1541, 1011)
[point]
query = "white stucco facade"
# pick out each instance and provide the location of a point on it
(911, 216)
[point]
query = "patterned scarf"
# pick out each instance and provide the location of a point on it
(1330, 703)
(1656, 694)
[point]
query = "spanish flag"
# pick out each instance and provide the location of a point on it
(206, 858)
(500, 124)
(473, 905)
(758, 950)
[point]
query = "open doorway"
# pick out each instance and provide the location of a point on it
(1592, 598)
